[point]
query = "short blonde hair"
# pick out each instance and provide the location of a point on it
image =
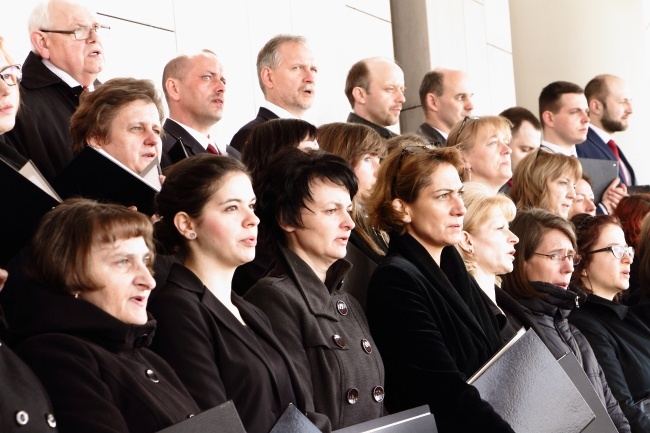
(529, 180)
(403, 174)
(480, 201)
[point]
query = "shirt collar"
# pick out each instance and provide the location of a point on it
(277, 110)
(602, 134)
(559, 149)
(63, 75)
(202, 139)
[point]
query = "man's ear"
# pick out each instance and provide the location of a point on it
(171, 85)
(359, 94)
(595, 107)
(266, 75)
(548, 118)
(39, 41)
(95, 141)
(433, 104)
(185, 225)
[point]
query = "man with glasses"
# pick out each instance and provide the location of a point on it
(375, 89)
(446, 99)
(66, 58)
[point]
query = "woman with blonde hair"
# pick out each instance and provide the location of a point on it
(546, 180)
(483, 144)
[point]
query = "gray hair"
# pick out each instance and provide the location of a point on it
(268, 57)
(39, 19)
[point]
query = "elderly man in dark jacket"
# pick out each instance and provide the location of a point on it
(66, 57)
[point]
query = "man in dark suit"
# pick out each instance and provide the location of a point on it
(445, 99)
(375, 89)
(610, 106)
(66, 54)
(287, 73)
(194, 87)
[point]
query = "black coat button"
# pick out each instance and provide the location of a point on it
(342, 308)
(51, 421)
(22, 418)
(339, 341)
(140, 340)
(378, 394)
(365, 344)
(152, 375)
(352, 395)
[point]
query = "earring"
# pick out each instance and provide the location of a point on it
(471, 250)
(76, 295)
(584, 273)
(192, 235)
(407, 220)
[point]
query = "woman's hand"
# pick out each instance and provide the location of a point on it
(614, 194)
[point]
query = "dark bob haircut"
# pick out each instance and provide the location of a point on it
(286, 186)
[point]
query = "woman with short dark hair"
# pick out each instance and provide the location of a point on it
(222, 347)
(84, 329)
(304, 206)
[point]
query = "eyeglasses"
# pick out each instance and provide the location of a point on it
(556, 257)
(408, 149)
(11, 75)
(82, 33)
(462, 127)
(617, 250)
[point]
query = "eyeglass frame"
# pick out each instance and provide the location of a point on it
(95, 28)
(18, 76)
(626, 249)
(462, 126)
(405, 150)
(559, 258)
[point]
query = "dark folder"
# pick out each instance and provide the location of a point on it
(27, 197)
(416, 420)
(178, 152)
(603, 423)
(526, 385)
(94, 174)
(601, 172)
(294, 421)
(220, 419)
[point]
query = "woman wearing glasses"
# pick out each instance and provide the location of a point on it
(10, 76)
(621, 341)
(483, 143)
(431, 321)
(544, 261)
(546, 180)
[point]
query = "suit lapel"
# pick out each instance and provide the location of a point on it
(192, 146)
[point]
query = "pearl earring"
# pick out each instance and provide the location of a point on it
(192, 235)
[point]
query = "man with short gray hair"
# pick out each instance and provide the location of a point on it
(287, 74)
(66, 57)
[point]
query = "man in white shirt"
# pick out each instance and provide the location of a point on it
(610, 107)
(287, 71)
(66, 57)
(564, 113)
(446, 99)
(194, 87)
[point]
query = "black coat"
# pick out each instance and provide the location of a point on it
(219, 359)
(551, 312)
(99, 374)
(325, 332)
(434, 328)
(621, 343)
(24, 404)
(240, 137)
(384, 132)
(174, 131)
(432, 135)
(42, 130)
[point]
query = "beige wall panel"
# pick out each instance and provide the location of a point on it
(501, 78)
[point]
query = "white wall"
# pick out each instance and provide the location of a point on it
(578, 39)
(146, 34)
